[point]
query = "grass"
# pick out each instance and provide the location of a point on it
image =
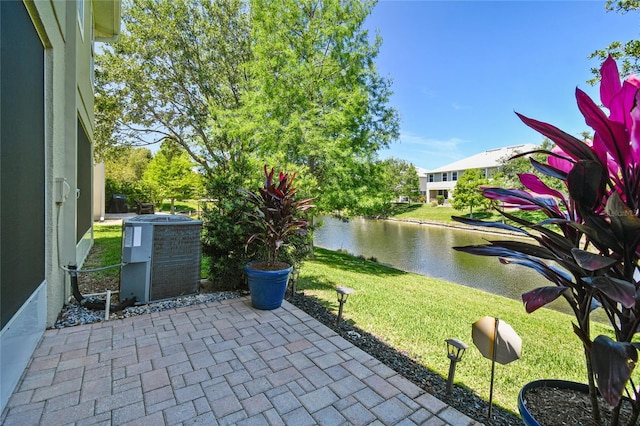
(180, 206)
(415, 314)
(443, 214)
(106, 251)
(437, 214)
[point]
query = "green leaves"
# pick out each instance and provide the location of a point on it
(467, 192)
(278, 215)
(171, 172)
(320, 103)
(290, 83)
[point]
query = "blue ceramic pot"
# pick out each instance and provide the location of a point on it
(527, 417)
(267, 288)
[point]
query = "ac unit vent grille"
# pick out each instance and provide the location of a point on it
(161, 257)
(175, 262)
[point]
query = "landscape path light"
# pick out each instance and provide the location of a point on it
(496, 340)
(293, 278)
(455, 351)
(343, 295)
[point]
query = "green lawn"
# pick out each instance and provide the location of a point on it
(443, 214)
(107, 249)
(415, 314)
(180, 206)
(437, 214)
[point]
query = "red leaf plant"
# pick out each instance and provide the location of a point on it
(278, 215)
(588, 247)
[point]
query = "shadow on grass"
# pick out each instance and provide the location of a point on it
(312, 282)
(347, 262)
(480, 215)
(107, 250)
(404, 208)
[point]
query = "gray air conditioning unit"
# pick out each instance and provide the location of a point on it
(161, 257)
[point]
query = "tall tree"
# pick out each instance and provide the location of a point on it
(627, 53)
(509, 169)
(401, 178)
(319, 102)
(240, 83)
(171, 174)
(177, 72)
(291, 83)
(127, 164)
(124, 168)
(467, 193)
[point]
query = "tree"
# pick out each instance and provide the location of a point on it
(510, 167)
(401, 178)
(171, 174)
(238, 84)
(467, 191)
(289, 83)
(627, 53)
(180, 82)
(127, 164)
(327, 107)
(124, 167)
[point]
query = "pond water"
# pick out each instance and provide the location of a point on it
(427, 250)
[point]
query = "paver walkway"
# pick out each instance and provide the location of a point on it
(214, 364)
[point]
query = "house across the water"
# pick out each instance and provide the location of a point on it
(442, 180)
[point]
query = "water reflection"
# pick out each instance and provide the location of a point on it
(427, 250)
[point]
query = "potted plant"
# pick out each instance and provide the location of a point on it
(588, 246)
(277, 219)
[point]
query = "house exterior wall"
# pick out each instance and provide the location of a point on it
(64, 216)
(441, 183)
(98, 192)
(442, 180)
(446, 181)
(22, 191)
(423, 185)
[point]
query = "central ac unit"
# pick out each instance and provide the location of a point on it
(161, 257)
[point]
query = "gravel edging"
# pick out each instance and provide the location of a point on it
(74, 314)
(462, 399)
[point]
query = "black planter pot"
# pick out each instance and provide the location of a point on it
(527, 417)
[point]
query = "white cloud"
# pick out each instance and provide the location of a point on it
(429, 152)
(458, 106)
(429, 93)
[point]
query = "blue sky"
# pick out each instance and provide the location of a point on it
(461, 68)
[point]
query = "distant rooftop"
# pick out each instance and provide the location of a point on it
(490, 158)
(421, 171)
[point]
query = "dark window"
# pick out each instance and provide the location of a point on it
(22, 180)
(431, 177)
(454, 175)
(85, 163)
(444, 177)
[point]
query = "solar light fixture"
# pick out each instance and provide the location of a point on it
(455, 351)
(293, 278)
(343, 295)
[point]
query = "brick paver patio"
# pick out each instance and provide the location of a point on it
(215, 364)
